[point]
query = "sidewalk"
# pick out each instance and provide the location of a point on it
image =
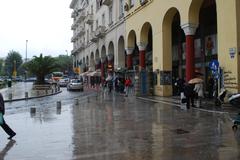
(19, 90)
(207, 104)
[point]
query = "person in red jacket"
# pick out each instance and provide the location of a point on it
(4, 125)
(128, 83)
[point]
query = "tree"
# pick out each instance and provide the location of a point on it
(41, 66)
(1, 67)
(13, 58)
(64, 63)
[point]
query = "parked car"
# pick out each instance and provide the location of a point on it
(63, 82)
(75, 84)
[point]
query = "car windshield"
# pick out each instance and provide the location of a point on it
(76, 81)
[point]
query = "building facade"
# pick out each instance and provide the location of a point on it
(161, 40)
(98, 35)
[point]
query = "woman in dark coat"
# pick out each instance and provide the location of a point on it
(190, 94)
(5, 127)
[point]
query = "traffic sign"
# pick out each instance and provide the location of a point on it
(213, 65)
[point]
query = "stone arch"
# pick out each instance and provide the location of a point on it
(167, 38)
(121, 52)
(131, 40)
(144, 32)
(91, 62)
(103, 52)
(193, 13)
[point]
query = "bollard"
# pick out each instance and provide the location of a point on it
(76, 101)
(33, 111)
(59, 104)
(56, 90)
(52, 91)
(10, 96)
(26, 95)
(88, 99)
(59, 107)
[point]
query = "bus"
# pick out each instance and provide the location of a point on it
(56, 76)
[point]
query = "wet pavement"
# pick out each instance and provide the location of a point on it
(18, 90)
(113, 127)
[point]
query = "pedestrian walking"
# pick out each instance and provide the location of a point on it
(3, 124)
(199, 90)
(190, 94)
(128, 84)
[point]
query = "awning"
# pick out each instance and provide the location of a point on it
(95, 73)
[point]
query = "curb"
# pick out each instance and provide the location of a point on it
(178, 105)
(21, 99)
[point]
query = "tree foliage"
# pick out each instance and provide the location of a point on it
(12, 57)
(64, 63)
(41, 66)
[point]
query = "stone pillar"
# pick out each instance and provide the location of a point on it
(189, 30)
(142, 51)
(129, 58)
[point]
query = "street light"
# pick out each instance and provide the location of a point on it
(26, 50)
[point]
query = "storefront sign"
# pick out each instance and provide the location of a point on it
(165, 78)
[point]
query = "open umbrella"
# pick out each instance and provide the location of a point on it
(195, 80)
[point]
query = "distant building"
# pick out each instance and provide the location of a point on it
(98, 35)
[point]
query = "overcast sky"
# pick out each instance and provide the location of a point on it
(46, 24)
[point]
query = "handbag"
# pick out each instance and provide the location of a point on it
(1, 118)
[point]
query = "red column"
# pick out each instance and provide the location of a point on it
(189, 30)
(190, 65)
(142, 59)
(142, 52)
(129, 58)
(129, 61)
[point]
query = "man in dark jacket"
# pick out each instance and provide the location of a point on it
(5, 127)
(189, 93)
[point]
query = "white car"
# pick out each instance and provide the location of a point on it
(63, 82)
(75, 84)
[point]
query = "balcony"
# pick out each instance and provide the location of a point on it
(107, 2)
(81, 31)
(89, 19)
(100, 31)
(74, 26)
(74, 38)
(81, 16)
(93, 37)
(80, 47)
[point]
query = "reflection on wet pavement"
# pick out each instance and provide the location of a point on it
(119, 128)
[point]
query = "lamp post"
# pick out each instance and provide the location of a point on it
(26, 50)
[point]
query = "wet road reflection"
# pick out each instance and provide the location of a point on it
(120, 128)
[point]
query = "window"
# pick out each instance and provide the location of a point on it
(96, 24)
(110, 15)
(91, 9)
(121, 8)
(132, 2)
(103, 19)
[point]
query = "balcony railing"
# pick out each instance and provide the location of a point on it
(89, 19)
(100, 31)
(107, 2)
(93, 37)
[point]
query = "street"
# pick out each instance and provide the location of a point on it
(116, 128)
